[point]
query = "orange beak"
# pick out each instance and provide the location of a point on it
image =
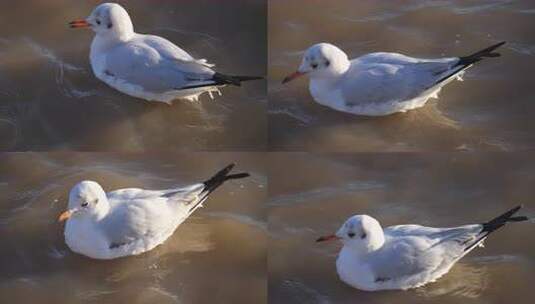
(79, 23)
(65, 215)
(327, 238)
(292, 76)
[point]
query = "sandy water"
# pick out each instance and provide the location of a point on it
(221, 254)
(50, 99)
(311, 195)
(491, 110)
(217, 255)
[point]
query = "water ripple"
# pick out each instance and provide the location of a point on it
(324, 192)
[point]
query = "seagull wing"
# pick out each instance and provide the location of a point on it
(391, 77)
(139, 63)
(414, 254)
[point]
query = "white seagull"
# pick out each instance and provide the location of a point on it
(379, 84)
(146, 66)
(131, 221)
(405, 256)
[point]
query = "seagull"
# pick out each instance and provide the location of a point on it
(405, 256)
(379, 84)
(147, 66)
(131, 221)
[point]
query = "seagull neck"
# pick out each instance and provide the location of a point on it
(106, 41)
(103, 208)
(360, 253)
(375, 243)
(341, 67)
(330, 77)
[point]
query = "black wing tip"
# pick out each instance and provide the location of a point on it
(229, 167)
(497, 223)
(222, 176)
(238, 175)
(222, 79)
(487, 52)
(490, 49)
(247, 78)
(503, 219)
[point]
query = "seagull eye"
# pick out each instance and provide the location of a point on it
(351, 234)
(314, 65)
(363, 236)
(85, 204)
(98, 22)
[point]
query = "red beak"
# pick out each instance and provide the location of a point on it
(79, 23)
(327, 238)
(292, 77)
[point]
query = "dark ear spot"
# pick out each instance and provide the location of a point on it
(110, 25)
(363, 235)
(327, 63)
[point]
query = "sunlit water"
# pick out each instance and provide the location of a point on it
(50, 100)
(220, 249)
(442, 190)
(491, 110)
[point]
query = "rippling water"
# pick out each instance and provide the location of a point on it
(220, 249)
(50, 100)
(491, 110)
(256, 236)
(323, 190)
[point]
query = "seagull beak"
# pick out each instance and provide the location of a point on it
(79, 23)
(328, 238)
(292, 76)
(66, 215)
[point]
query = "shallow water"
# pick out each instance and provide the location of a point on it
(322, 191)
(254, 242)
(491, 110)
(50, 100)
(220, 249)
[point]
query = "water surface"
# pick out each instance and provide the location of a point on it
(50, 100)
(491, 110)
(220, 248)
(311, 195)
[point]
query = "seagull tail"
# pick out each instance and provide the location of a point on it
(222, 79)
(503, 219)
(495, 224)
(221, 177)
(466, 61)
(214, 182)
(480, 55)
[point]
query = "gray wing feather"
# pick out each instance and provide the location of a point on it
(390, 77)
(143, 65)
(415, 249)
(134, 211)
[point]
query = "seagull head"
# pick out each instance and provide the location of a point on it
(322, 60)
(107, 20)
(362, 233)
(86, 199)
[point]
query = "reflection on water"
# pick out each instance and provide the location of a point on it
(464, 280)
(313, 194)
(36, 263)
(490, 110)
(49, 98)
